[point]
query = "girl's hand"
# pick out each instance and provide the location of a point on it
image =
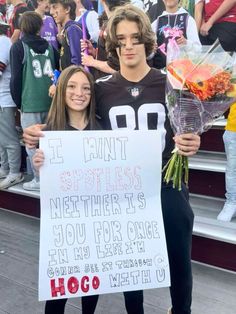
(205, 27)
(181, 40)
(38, 159)
(188, 144)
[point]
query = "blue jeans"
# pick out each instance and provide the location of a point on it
(229, 138)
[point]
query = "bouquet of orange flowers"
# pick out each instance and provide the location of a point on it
(200, 88)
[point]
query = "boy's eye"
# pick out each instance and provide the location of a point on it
(121, 40)
(135, 39)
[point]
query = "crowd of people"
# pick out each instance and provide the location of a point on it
(122, 44)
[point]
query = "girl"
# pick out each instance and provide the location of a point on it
(73, 108)
(174, 23)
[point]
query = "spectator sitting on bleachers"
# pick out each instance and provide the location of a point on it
(10, 148)
(217, 19)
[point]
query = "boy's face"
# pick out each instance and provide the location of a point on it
(43, 5)
(171, 3)
(59, 13)
(131, 52)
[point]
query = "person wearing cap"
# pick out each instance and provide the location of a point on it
(10, 148)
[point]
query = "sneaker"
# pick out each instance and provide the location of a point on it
(227, 213)
(3, 173)
(11, 180)
(32, 185)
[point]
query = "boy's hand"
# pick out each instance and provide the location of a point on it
(32, 134)
(87, 45)
(52, 90)
(87, 60)
(188, 144)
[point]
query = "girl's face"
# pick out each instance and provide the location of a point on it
(78, 93)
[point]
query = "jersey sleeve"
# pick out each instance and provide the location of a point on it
(74, 34)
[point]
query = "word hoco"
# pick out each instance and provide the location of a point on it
(73, 285)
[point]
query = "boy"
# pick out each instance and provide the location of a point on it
(141, 105)
(63, 12)
(32, 62)
(49, 28)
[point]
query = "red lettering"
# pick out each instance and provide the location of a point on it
(85, 284)
(73, 285)
(95, 282)
(60, 289)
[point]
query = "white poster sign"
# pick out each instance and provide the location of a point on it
(101, 220)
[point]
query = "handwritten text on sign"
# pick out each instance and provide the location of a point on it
(101, 220)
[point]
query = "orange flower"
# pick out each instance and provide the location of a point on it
(202, 80)
(208, 80)
(198, 82)
(180, 68)
(222, 82)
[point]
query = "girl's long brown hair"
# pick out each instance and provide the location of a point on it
(58, 116)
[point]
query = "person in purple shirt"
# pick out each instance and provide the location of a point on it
(49, 29)
(63, 12)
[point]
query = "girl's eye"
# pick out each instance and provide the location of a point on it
(87, 90)
(70, 86)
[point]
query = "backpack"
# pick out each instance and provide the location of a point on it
(80, 23)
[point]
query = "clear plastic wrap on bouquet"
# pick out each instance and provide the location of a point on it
(200, 88)
(188, 114)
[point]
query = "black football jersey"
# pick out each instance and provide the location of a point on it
(122, 104)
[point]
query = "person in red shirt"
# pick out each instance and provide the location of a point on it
(218, 21)
(19, 8)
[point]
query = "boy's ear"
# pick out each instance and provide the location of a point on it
(67, 9)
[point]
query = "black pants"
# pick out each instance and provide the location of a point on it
(58, 306)
(225, 32)
(133, 304)
(178, 222)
